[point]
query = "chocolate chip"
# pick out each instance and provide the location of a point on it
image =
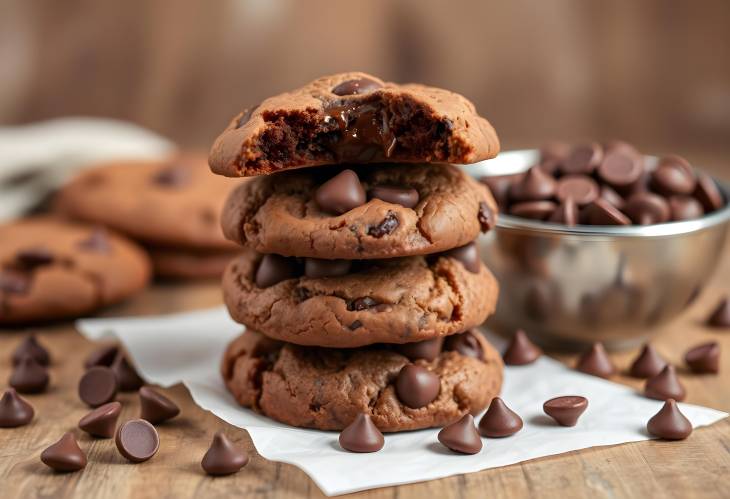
(486, 216)
(707, 193)
(98, 241)
(31, 258)
(583, 159)
(341, 193)
(356, 87)
(566, 214)
(403, 196)
(499, 185)
(102, 356)
(29, 376)
(98, 386)
(622, 147)
(536, 185)
(64, 455)
(155, 407)
(620, 170)
(385, 227)
(646, 208)
(554, 151)
(521, 350)
(669, 423)
(362, 435)
(223, 457)
(355, 325)
(580, 188)
(137, 440)
(648, 364)
(316, 268)
(461, 436)
(665, 385)
(468, 255)
(720, 317)
(416, 386)
(704, 358)
(172, 176)
(30, 346)
(466, 344)
(685, 208)
(275, 268)
(12, 281)
(427, 350)
(499, 420)
(596, 362)
(102, 421)
(601, 212)
(14, 410)
(673, 178)
(566, 410)
(128, 379)
(362, 303)
(535, 210)
(613, 197)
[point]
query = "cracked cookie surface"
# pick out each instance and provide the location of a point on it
(279, 214)
(326, 388)
(353, 117)
(398, 300)
(52, 269)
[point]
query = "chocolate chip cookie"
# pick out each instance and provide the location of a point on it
(173, 263)
(326, 388)
(393, 211)
(353, 118)
(341, 303)
(52, 269)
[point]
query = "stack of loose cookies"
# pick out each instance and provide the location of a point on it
(361, 283)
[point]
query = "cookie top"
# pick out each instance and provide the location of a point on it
(52, 269)
(399, 300)
(353, 118)
(172, 202)
(326, 388)
(405, 210)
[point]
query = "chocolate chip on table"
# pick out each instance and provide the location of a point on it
(468, 255)
(404, 196)
(613, 197)
(223, 457)
(341, 193)
(102, 421)
(356, 87)
(646, 208)
(29, 376)
(14, 410)
(583, 159)
(665, 385)
(521, 350)
(385, 227)
(535, 185)
(461, 436)
(362, 435)
(98, 241)
(499, 420)
(416, 386)
(704, 358)
(64, 455)
(98, 386)
(566, 214)
(30, 258)
(596, 362)
(601, 212)
(648, 363)
(128, 379)
(172, 176)
(669, 423)
(707, 193)
(155, 407)
(580, 188)
(673, 177)
(466, 344)
(137, 440)
(102, 356)
(720, 317)
(427, 350)
(535, 210)
(566, 410)
(315, 267)
(486, 216)
(30, 346)
(685, 208)
(620, 170)
(275, 268)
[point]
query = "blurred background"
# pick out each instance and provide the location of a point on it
(653, 72)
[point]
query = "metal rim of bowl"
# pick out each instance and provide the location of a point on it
(510, 222)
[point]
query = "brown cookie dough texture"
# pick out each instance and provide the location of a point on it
(389, 301)
(51, 269)
(171, 263)
(278, 214)
(384, 121)
(326, 388)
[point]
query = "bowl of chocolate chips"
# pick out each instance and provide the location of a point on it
(598, 242)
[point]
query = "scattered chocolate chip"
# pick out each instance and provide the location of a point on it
(341, 193)
(535, 210)
(155, 407)
(30, 258)
(486, 216)
(172, 176)
(362, 435)
(601, 212)
(685, 208)
(64, 455)
(566, 214)
(356, 87)
(102, 356)
(29, 376)
(137, 440)
(665, 385)
(315, 267)
(583, 159)
(620, 170)
(521, 350)
(566, 410)
(707, 193)
(385, 227)
(404, 196)
(128, 379)
(704, 358)
(12, 281)
(669, 423)
(596, 362)
(468, 255)
(580, 188)
(428, 349)
(499, 420)
(275, 268)
(98, 241)
(30, 346)
(98, 386)
(102, 421)
(363, 303)
(536, 185)
(416, 386)
(673, 178)
(720, 317)
(613, 197)
(223, 457)
(14, 410)
(646, 208)
(648, 364)
(461, 436)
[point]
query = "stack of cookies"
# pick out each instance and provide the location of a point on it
(360, 284)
